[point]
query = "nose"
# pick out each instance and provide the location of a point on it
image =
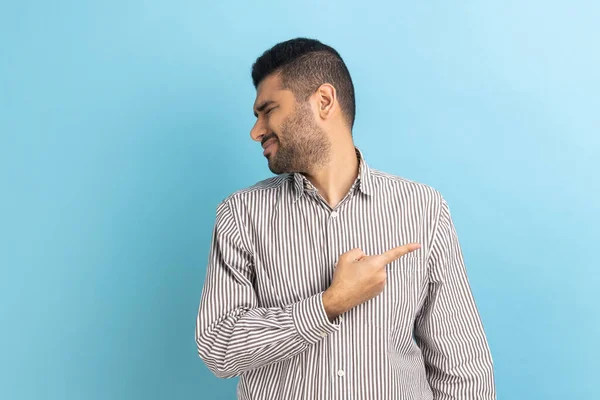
(258, 131)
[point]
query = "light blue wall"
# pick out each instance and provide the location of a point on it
(123, 125)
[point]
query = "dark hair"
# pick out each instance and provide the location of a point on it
(304, 65)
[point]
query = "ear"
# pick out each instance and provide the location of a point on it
(326, 99)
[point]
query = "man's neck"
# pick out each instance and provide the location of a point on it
(334, 180)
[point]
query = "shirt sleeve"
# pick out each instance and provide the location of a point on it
(448, 329)
(233, 333)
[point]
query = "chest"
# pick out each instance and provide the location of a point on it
(299, 245)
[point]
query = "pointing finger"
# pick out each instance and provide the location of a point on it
(397, 252)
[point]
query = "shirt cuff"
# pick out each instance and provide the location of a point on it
(311, 321)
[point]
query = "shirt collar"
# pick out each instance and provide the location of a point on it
(301, 184)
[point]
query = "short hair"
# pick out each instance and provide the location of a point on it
(304, 65)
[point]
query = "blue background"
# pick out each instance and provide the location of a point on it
(124, 124)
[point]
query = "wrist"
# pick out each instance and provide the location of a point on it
(332, 304)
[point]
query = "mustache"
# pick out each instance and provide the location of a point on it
(271, 136)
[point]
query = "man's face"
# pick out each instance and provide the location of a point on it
(288, 131)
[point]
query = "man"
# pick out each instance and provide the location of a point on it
(333, 280)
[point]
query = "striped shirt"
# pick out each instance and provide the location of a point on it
(273, 251)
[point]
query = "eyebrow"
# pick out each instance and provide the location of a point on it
(263, 106)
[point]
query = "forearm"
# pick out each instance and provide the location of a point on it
(246, 339)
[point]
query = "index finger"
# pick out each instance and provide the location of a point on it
(397, 252)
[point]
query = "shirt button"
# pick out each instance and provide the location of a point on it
(324, 334)
(341, 318)
(334, 214)
(341, 372)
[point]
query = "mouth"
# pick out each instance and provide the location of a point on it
(267, 145)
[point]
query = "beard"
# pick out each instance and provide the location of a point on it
(305, 145)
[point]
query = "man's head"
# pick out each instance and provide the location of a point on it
(304, 94)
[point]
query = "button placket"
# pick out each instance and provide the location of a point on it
(338, 342)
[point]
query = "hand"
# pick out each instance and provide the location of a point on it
(358, 278)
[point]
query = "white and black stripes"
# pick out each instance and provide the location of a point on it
(273, 251)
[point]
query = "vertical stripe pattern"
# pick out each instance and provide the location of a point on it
(273, 251)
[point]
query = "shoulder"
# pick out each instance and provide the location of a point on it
(385, 182)
(265, 189)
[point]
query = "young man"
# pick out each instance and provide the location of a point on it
(333, 280)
